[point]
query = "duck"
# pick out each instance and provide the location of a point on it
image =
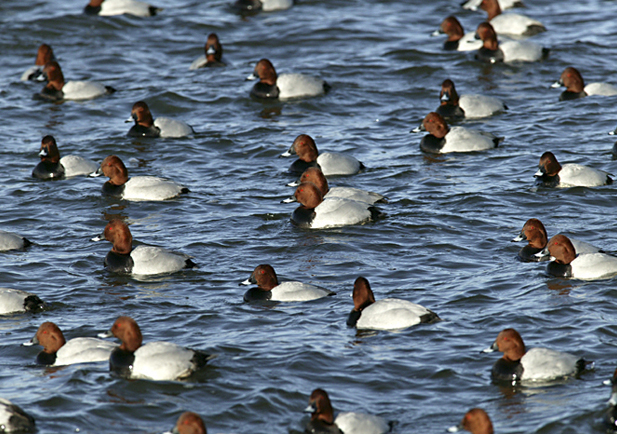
(441, 139)
(553, 174)
(509, 24)
(565, 262)
(146, 126)
(252, 6)
(44, 55)
(386, 314)
(457, 40)
(572, 80)
(52, 166)
(508, 51)
(534, 232)
(269, 288)
(18, 301)
(323, 422)
(285, 86)
(189, 423)
(473, 106)
(138, 187)
(157, 361)
(213, 56)
(120, 7)
(58, 352)
(503, 4)
(330, 163)
(316, 213)
(12, 241)
(476, 421)
(316, 176)
(610, 417)
(14, 419)
(142, 260)
(57, 90)
(537, 364)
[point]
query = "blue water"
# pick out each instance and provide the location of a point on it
(445, 242)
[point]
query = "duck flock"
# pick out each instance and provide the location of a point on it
(351, 214)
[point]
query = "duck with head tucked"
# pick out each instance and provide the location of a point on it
(16, 300)
(14, 419)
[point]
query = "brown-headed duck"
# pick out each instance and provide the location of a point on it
(269, 288)
(476, 421)
(316, 176)
(572, 80)
(142, 260)
(457, 38)
(146, 126)
(58, 352)
(57, 90)
(158, 361)
(509, 51)
(189, 423)
(52, 166)
(510, 23)
(442, 139)
(323, 422)
(537, 364)
(552, 174)
(44, 55)
(385, 314)
(454, 107)
(566, 262)
(284, 86)
(317, 213)
(138, 187)
(534, 232)
(213, 56)
(330, 163)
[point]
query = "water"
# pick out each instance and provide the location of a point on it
(445, 242)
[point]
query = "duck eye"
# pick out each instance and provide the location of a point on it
(263, 272)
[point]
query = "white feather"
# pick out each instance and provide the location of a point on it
(156, 260)
(297, 291)
(84, 350)
(391, 314)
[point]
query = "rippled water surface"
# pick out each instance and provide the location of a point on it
(445, 242)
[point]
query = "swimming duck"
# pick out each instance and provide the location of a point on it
(553, 174)
(54, 167)
(330, 163)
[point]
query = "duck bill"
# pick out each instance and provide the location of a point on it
(418, 129)
(98, 172)
(538, 174)
(519, 237)
(289, 200)
(99, 237)
(543, 254)
(31, 342)
(491, 349)
(556, 85)
(107, 334)
(251, 77)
